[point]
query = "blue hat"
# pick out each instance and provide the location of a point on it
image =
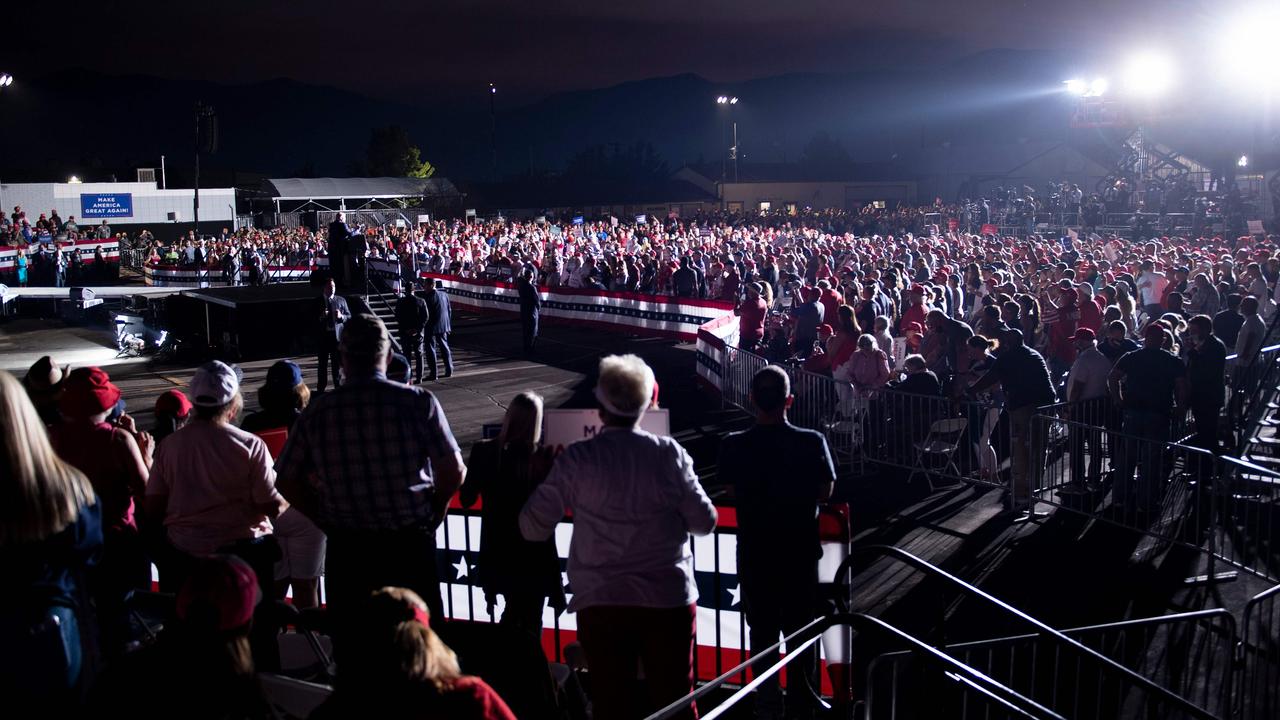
(285, 373)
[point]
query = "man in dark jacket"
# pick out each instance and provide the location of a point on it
(438, 327)
(1206, 374)
(530, 306)
(334, 312)
(411, 317)
(780, 474)
(338, 234)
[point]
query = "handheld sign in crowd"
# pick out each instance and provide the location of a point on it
(565, 427)
(899, 352)
(577, 219)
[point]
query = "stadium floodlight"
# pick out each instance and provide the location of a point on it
(733, 101)
(5, 80)
(1243, 161)
(722, 100)
(73, 180)
(493, 90)
(1241, 60)
(1079, 87)
(1149, 75)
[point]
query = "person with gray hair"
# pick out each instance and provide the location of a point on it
(635, 499)
(374, 464)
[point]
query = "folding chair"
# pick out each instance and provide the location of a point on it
(945, 438)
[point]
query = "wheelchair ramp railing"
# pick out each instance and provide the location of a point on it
(1258, 693)
(970, 687)
(1189, 653)
(1113, 680)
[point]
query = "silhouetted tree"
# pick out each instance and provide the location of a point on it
(391, 154)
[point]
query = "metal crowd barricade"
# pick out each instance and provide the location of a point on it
(1258, 692)
(935, 436)
(1190, 654)
(1173, 492)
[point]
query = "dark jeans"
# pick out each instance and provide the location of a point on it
(358, 562)
(441, 339)
(528, 331)
(1088, 417)
(1142, 449)
(329, 353)
(1206, 419)
(778, 603)
(616, 638)
(411, 345)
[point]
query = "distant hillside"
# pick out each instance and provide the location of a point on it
(84, 121)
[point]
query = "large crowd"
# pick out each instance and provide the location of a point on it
(238, 511)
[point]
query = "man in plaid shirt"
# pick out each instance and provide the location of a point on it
(374, 464)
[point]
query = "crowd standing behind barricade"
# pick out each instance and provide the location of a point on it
(233, 514)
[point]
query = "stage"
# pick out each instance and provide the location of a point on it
(245, 322)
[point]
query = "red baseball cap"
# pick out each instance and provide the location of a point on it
(173, 402)
(1084, 334)
(88, 392)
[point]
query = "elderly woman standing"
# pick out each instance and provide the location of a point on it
(635, 498)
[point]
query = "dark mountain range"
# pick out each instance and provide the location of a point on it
(91, 124)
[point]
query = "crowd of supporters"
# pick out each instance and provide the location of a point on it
(237, 510)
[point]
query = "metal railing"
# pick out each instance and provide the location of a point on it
(967, 683)
(1137, 688)
(1258, 692)
(1190, 653)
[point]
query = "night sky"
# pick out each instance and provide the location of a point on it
(449, 50)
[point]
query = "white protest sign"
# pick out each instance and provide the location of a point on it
(424, 219)
(899, 352)
(565, 427)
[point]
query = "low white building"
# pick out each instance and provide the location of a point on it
(126, 206)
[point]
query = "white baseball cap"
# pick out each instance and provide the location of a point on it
(215, 384)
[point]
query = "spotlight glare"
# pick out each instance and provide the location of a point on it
(733, 101)
(1243, 161)
(1149, 75)
(1241, 38)
(1099, 87)
(722, 100)
(1076, 86)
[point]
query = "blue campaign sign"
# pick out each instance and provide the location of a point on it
(577, 219)
(106, 205)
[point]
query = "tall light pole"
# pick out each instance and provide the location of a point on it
(728, 101)
(493, 131)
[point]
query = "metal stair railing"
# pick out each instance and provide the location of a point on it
(1258, 692)
(965, 677)
(1167, 698)
(1192, 651)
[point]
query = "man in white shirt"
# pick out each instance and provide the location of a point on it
(635, 499)
(1089, 407)
(1151, 285)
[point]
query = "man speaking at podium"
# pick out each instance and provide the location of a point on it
(338, 235)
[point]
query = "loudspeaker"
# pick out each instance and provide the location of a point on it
(174, 216)
(81, 293)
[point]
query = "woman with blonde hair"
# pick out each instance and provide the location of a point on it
(503, 472)
(395, 662)
(50, 534)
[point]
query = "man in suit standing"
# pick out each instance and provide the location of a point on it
(438, 327)
(338, 234)
(530, 305)
(333, 313)
(412, 317)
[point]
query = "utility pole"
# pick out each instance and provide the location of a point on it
(196, 197)
(493, 131)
